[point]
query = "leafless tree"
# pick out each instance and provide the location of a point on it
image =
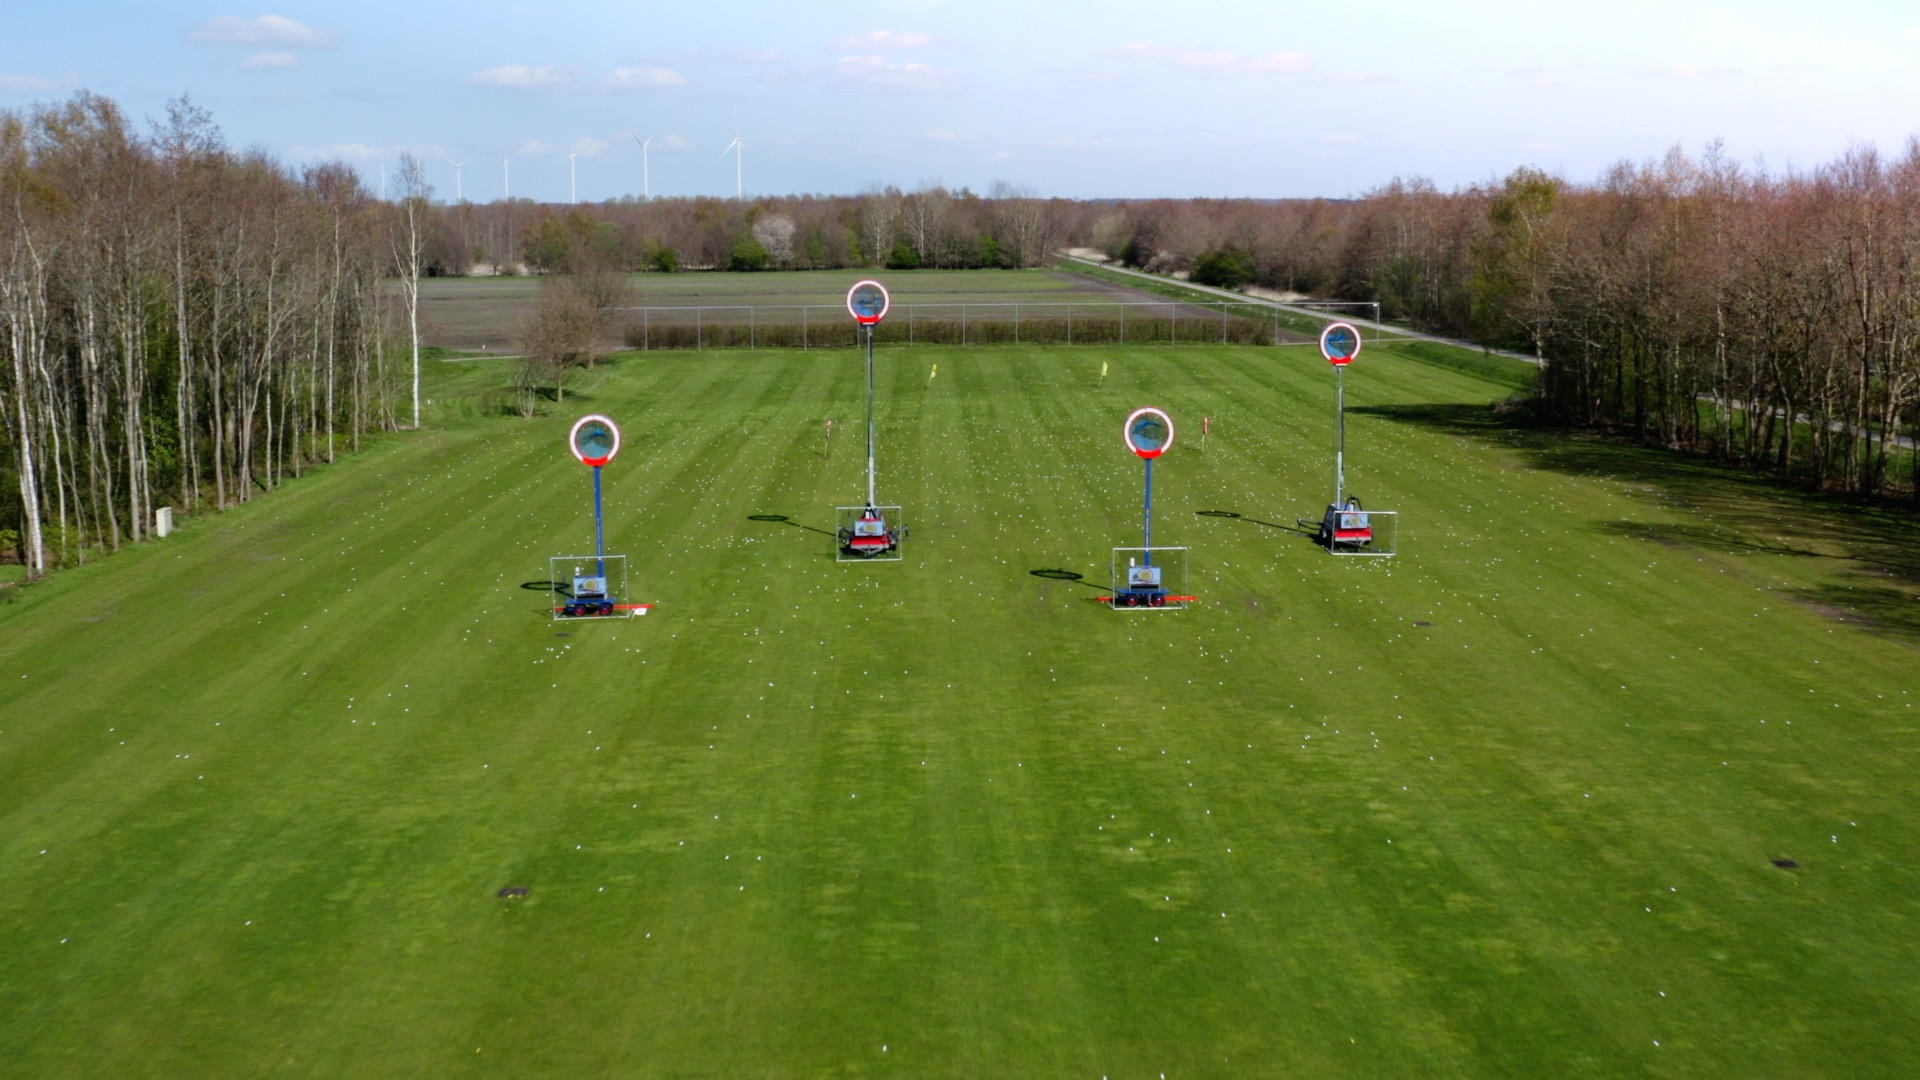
(557, 336)
(409, 253)
(879, 211)
(923, 213)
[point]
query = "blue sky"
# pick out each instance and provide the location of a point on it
(1117, 98)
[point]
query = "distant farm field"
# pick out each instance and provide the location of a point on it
(481, 314)
(1611, 771)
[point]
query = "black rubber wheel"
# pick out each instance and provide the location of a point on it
(1158, 600)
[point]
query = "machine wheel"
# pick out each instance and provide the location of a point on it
(606, 608)
(846, 537)
(1157, 600)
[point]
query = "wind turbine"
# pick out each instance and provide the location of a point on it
(458, 194)
(573, 185)
(739, 149)
(646, 181)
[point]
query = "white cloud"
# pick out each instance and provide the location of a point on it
(533, 148)
(941, 135)
(887, 39)
(265, 30)
(28, 84)
(270, 61)
(676, 142)
(645, 78)
(1223, 62)
(588, 146)
(1286, 62)
(341, 152)
(522, 77)
(1695, 71)
(873, 75)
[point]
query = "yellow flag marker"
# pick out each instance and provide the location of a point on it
(931, 374)
(1103, 371)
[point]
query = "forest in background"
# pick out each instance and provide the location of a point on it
(186, 324)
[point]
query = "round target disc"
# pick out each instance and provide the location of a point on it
(1148, 432)
(868, 302)
(1340, 343)
(594, 440)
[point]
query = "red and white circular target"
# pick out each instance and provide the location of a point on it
(868, 302)
(1148, 432)
(595, 440)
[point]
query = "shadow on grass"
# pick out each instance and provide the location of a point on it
(1869, 555)
(1256, 521)
(785, 520)
(1066, 575)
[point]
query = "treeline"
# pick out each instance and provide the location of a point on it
(180, 323)
(933, 228)
(1690, 301)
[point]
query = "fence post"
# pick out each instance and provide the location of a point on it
(909, 326)
(1223, 322)
(1123, 324)
(1016, 322)
(804, 308)
(699, 329)
(750, 326)
(646, 329)
(963, 324)
(1069, 322)
(1173, 323)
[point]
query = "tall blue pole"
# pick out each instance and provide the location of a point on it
(1149, 551)
(871, 497)
(1340, 451)
(599, 527)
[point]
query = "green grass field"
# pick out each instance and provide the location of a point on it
(1504, 805)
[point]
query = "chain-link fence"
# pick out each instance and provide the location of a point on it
(827, 326)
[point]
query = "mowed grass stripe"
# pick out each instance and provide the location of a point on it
(996, 908)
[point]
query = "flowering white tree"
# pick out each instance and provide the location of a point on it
(775, 233)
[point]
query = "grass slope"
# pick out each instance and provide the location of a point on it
(1504, 805)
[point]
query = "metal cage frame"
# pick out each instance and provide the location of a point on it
(846, 520)
(616, 580)
(1373, 548)
(1163, 595)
